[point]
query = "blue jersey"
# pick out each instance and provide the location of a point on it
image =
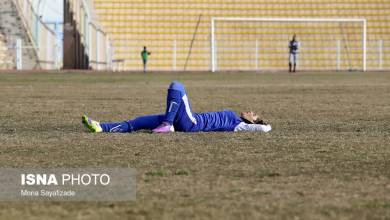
(216, 121)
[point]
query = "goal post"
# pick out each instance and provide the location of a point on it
(262, 43)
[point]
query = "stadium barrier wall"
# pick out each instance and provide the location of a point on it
(44, 40)
(93, 48)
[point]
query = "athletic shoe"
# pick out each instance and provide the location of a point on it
(92, 125)
(164, 128)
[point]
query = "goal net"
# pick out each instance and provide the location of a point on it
(256, 44)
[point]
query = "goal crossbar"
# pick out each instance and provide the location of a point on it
(359, 20)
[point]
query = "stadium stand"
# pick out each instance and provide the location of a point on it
(163, 26)
(6, 61)
(26, 41)
(12, 28)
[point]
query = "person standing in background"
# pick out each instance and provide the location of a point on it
(294, 49)
(145, 56)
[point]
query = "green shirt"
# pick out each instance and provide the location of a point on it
(145, 54)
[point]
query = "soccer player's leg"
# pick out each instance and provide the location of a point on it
(295, 62)
(290, 61)
(144, 61)
(176, 91)
(186, 120)
(148, 122)
(141, 123)
(176, 104)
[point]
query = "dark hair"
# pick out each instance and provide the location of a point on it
(260, 122)
(246, 120)
(257, 121)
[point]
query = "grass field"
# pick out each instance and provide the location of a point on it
(328, 156)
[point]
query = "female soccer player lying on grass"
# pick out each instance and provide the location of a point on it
(179, 117)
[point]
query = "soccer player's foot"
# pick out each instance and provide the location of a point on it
(164, 128)
(92, 125)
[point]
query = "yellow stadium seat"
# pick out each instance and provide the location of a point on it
(157, 24)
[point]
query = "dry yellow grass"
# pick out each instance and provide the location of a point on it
(328, 156)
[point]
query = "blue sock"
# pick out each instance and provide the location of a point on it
(116, 127)
(148, 122)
